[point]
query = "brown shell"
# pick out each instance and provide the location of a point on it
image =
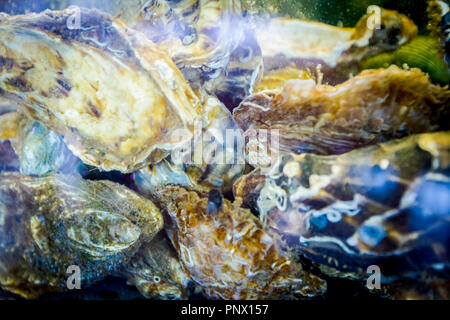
(82, 81)
(226, 252)
(385, 204)
(375, 106)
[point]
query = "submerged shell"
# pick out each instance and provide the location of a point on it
(225, 251)
(48, 224)
(210, 41)
(372, 107)
(203, 162)
(156, 271)
(81, 81)
(385, 205)
(40, 151)
(308, 44)
(422, 52)
(276, 78)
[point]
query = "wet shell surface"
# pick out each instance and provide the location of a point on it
(225, 251)
(285, 42)
(210, 41)
(156, 271)
(375, 106)
(384, 205)
(80, 82)
(50, 223)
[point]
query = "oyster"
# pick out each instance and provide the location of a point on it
(156, 271)
(309, 44)
(80, 81)
(276, 78)
(50, 223)
(40, 151)
(225, 251)
(384, 205)
(210, 41)
(211, 159)
(372, 107)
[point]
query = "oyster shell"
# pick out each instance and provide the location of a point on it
(308, 44)
(276, 78)
(50, 223)
(156, 271)
(225, 251)
(384, 205)
(372, 107)
(40, 151)
(81, 81)
(210, 41)
(207, 161)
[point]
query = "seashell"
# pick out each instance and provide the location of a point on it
(156, 272)
(384, 205)
(225, 251)
(210, 41)
(422, 52)
(50, 223)
(205, 161)
(309, 44)
(375, 106)
(40, 151)
(276, 78)
(81, 82)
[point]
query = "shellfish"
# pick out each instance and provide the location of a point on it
(210, 41)
(384, 205)
(40, 151)
(81, 80)
(225, 251)
(50, 223)
(308, 44)
(375, 106)
(156, 270)
(206, 161)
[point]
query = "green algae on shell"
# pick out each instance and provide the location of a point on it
(422, 52)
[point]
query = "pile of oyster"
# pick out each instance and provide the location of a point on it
(191, 148)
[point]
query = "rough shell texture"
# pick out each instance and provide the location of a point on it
(308, 44)
(226, 252)
(210, 41)
(386, 204)
(156, 271)
(372, 107)
(80, 81)
(48, 224)
(202, 163)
